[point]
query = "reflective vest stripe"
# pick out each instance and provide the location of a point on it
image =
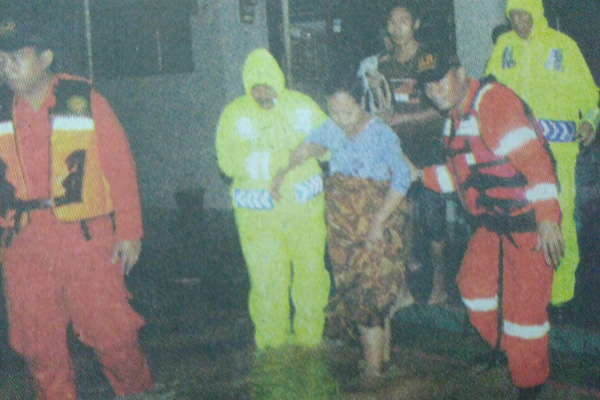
(558, 131)
(258, 165)
(543, 191)
(260, 199)
(470, 158)
(468, 127)
(6, 128)
(308, 190)
(253, 199)
(444, 179)
(481, 305)
(482, 91)
(515, 139)
(526, 331)
(69, 123)
(448, 127)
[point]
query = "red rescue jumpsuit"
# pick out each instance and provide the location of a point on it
(503, 175)
(54, 277)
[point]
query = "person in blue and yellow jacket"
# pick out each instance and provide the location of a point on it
(546, 69)
(283, 241)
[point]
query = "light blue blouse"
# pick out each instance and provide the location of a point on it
(374, 153)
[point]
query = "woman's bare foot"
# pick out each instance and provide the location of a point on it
(387, 340)
(438, 296)
(404, 299)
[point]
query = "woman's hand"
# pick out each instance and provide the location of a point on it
(298, 156)
(416, 174)
(390, 204)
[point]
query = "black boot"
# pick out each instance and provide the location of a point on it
(529, 393)
(489, 361)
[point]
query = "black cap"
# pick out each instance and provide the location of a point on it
(15, 35)
(433, 66)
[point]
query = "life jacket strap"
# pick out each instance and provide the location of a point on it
(506, 224)
(32, 205)
(85, 229)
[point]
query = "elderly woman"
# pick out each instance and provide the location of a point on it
(368, 235)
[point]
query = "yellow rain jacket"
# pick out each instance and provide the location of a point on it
(277, 236)
(253, 143)
(548, 71)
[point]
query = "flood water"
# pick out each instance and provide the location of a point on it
(191, 285)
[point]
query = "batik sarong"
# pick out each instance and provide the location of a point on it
(368, 282)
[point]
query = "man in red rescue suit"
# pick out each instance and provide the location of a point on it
(73, 227)
(498, 163)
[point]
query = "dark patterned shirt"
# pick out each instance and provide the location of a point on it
(421, 142)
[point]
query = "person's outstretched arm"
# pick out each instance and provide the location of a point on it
(298, 156)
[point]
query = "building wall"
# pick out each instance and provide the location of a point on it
(171, 119)
(474, 23)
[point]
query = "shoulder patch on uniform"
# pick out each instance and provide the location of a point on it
(508, 60)
(78, 105)
(245, 129)
(72, 97)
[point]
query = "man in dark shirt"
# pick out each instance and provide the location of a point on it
(419, 127)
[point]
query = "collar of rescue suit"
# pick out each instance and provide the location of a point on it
(49, 100)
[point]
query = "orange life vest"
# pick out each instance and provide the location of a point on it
(489, 185)
(78, 189)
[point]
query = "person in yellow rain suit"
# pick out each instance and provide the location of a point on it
(546, 69)
(283, 241)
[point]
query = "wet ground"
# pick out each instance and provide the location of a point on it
(191, 286)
